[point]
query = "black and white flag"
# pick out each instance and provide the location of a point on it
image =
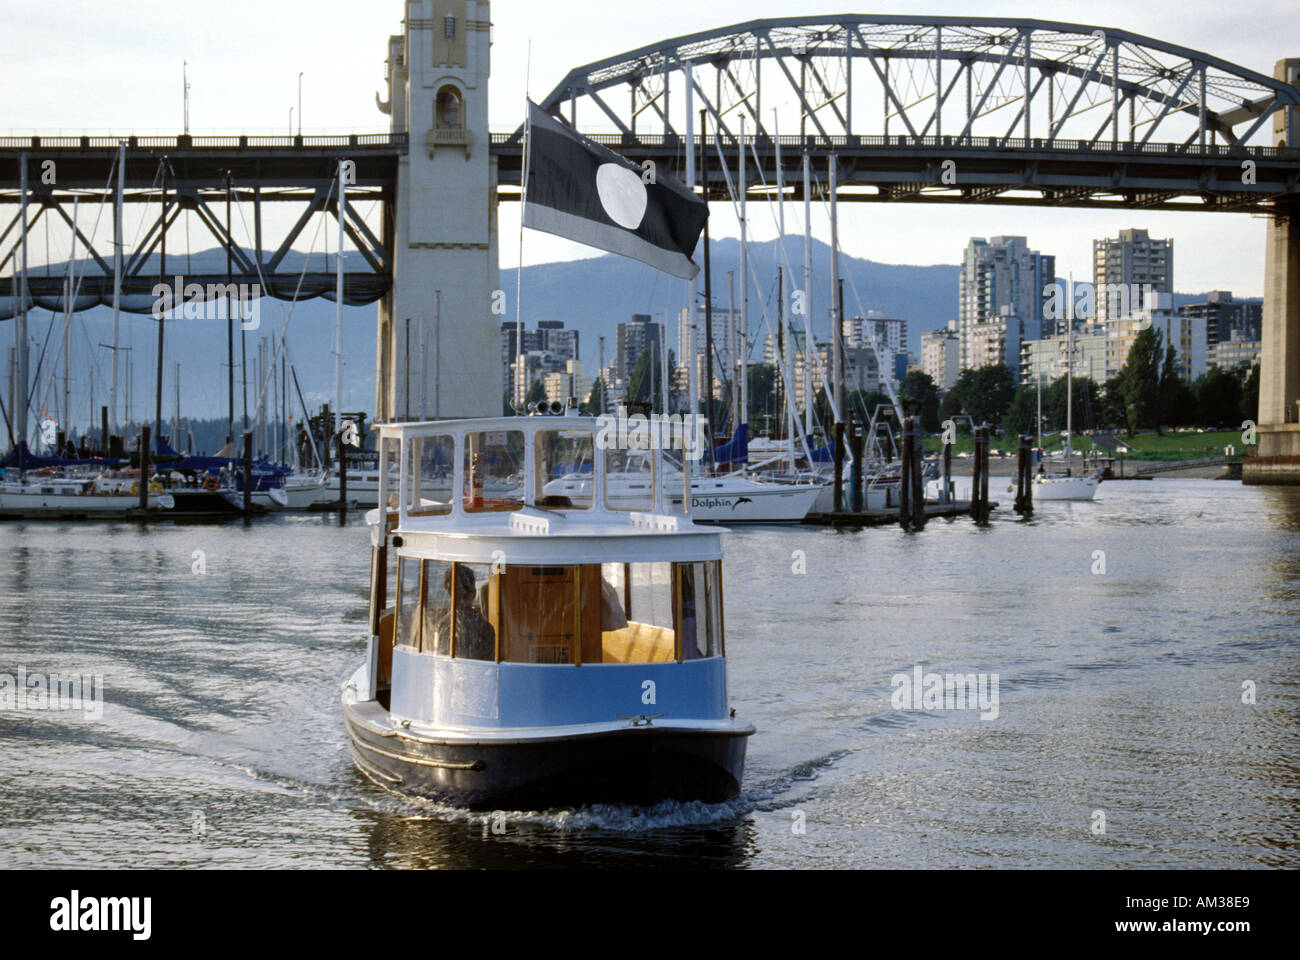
(584, 192)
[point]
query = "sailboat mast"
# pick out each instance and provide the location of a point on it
(117, 276)
(20, 395)
(708, 287)
(338, 309)
(1069, 380)
(162, 272)
(807, 291)
(230, 331)
(65, 412)
(743, 186)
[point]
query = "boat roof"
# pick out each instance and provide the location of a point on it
(446, 508)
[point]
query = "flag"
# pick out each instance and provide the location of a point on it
(585, 192)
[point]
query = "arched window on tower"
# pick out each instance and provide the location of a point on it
(448, 112)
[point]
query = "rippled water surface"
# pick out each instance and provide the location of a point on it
(221, 742)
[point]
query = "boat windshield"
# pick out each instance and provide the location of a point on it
(574, 614)
(563, 464)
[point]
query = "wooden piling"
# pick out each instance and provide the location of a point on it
(918, 476)
(103, 431)
(248, 473)
(855, 477)
(979, 488)
(984, 478)
(945, 494)
(1024, 478)
(144, 467)
(905, 514)
(343, 479)
(839, 466)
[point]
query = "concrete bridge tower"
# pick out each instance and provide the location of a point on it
(1279, 374)
(439, 348)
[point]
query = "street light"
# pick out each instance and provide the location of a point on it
(300, 103)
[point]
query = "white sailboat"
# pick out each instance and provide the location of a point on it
(1065, 486)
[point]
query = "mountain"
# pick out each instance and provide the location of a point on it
(592, 296)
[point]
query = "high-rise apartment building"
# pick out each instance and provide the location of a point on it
(1002, 278)
(1125, 266)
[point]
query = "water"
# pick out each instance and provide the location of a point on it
(221, 742)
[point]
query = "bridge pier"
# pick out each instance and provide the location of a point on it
(1277, 460)
(438, 347)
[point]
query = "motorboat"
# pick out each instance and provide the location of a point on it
(537, 649)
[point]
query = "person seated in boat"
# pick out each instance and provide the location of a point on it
(475, 637)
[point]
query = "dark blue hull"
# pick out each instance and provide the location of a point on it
(635, 765)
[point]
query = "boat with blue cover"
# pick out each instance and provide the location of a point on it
(531, 650)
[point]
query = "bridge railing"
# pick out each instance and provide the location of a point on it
(381, 141)
(909, 142)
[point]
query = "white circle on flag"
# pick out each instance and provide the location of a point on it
(622, 194)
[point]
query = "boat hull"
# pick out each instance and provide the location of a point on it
(640, 765)
(764, 505)
(1066, 488)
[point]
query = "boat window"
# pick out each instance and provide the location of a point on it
(466, 588)
(629, 480)
(583, 614)
(389, 449)
(493, 471)
(699, 594)
(563, 463)
(429, 468)
(412, 575)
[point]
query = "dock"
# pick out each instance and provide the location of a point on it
(880, 518)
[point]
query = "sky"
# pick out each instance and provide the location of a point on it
(86, 67)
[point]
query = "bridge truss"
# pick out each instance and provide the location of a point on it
(1012, 111)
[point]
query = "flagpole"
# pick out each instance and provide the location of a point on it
(518, 391)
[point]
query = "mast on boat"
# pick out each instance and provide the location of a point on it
(19, 412)
(1069, 379)
(743, 338)
(338, 314)
(117, 274)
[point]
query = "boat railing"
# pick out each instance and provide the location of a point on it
(459, 470)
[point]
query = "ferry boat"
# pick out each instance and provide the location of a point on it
(534, 649)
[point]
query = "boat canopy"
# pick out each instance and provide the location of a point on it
(22, 458)
(735, 450)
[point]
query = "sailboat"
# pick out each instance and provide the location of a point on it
(1065, 486)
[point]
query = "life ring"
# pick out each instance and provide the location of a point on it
(135, 489)
(155, 487)
(212, 484)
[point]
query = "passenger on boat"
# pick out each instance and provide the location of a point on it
(475, 637)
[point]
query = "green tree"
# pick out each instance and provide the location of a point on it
(1113, 410)
(950, 407)
(536, 393)
(1022, 412)
(592, 407)
(986, 393)
(641, 385)
(919, 397)
(1219, 398)
(1177, 402)
(1250, 395)
(1140, 382)
(761, 380)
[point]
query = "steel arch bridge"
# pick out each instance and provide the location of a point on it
(1028, 111)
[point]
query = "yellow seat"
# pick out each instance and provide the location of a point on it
(638, 643)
